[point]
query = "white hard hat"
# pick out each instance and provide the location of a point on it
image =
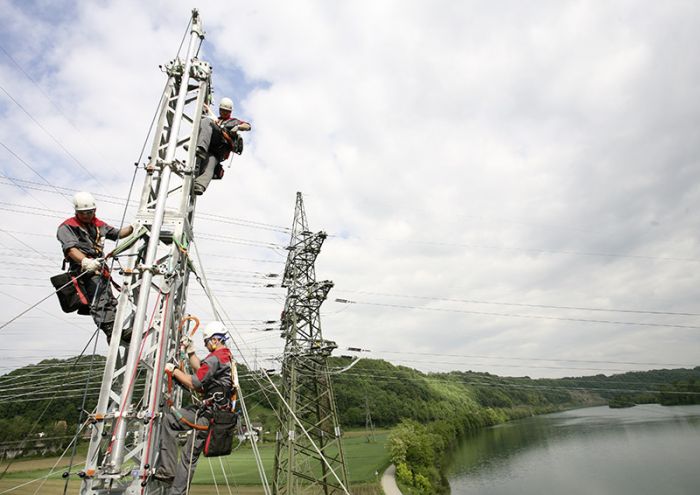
(83, 201)
(226, 104)
(214, 329)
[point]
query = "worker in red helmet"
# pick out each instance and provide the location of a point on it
(217, 138)
(82, 240)
(213, 378)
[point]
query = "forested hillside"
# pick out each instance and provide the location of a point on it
(48, 396)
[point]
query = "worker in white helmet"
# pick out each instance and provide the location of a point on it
(82, 240)
(213, 379)
(217, 138)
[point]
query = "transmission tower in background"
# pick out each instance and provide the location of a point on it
(309, 453)
(369, 425)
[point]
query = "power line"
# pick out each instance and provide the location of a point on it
(525, 305)
(500, 365)
(508, 315)
(55, 140)
(517, 249)
(472, 356)
(120, 201)
(36, 84)
(16, 208)
(509, 384)
(25, 163)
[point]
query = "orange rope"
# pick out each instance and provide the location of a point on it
(186, 319)
(194, 425)
(181, 363)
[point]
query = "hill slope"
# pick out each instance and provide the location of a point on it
(47, 397)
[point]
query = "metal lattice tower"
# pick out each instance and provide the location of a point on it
(125, 428)
(306, 383)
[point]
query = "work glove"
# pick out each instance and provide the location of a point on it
(169, 368)
(91, 265)
(187, 344)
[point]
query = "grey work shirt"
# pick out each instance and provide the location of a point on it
(214, 373)
(89, 239)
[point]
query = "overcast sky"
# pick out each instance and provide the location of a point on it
(509, 187)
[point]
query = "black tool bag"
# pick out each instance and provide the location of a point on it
(222, 427)
(71, 293)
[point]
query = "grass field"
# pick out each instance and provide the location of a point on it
(363, 460)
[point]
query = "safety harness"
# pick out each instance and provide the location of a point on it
(219, 408)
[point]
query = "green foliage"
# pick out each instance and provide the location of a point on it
(403, 474)
(681, 393)
(416, 450)
(620, 401)
(423, 483)
(52, 396)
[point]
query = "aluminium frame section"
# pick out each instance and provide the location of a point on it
(126, 425)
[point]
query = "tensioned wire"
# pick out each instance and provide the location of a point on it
(244, 283)
(48, 98)
(122, 221)
(474, 301)
(508, 383)
(53, 138)
(266, 356)
(201, 278)
(45, 477)
(35, 210)
(131, 187)
(48, 404)
(449, 244)
(296, 419)
(501, 303)
(22, 183)
(509, 315)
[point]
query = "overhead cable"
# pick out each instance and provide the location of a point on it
(53, 138)
(533, 317)
(543, 306)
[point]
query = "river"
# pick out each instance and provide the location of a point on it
(643, 450)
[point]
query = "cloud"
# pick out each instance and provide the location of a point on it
(542, 155)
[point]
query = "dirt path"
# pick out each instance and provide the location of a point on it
(389, 481)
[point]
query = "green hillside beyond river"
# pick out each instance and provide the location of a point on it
(468, 424)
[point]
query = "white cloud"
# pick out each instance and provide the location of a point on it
(542, 155)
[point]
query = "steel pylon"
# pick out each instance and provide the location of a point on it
(313, 463)
(125, 429)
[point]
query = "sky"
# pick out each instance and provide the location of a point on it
(509, 187)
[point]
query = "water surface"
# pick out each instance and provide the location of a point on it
(644, 450)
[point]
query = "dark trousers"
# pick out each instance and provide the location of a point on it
(103, 304)
(169, 465)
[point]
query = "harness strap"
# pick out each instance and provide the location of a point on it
(96, 242)
(79, 291)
